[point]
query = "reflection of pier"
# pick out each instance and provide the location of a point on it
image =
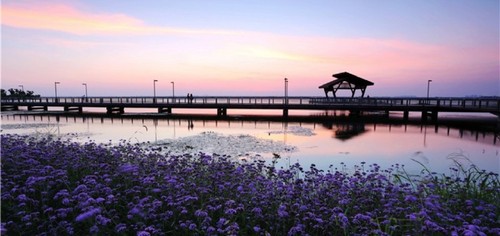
(479, 131)
(428, 107)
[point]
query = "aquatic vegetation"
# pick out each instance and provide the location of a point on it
(57, 187)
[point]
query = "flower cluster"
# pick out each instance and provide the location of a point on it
(59, 187)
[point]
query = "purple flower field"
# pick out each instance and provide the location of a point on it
(55, 187)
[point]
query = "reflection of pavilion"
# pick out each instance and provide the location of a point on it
(345, 131)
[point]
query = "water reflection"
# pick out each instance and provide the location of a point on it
(341, 129)
(343, 139)
(345, 131)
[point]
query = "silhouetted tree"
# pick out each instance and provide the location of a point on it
(17, 93)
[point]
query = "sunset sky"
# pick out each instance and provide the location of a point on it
(220, 48)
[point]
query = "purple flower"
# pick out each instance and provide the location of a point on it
(230, 211)
(99, 200)
(412, 217)
(222, 222)
(22, 198)
(134, 211)
(65, 201)
(410, 198)
(296, 230)
(2, 229)
(128, 168)
(282, 211)
(26, 218)
(156, 190)
(120, 228)
(211, 229)
(143, 233)
(257, 211)
(80, 188)
(343, 220)
(201, 213)
(94, 229)
(195, 188)
(101, 220)
(88, 214)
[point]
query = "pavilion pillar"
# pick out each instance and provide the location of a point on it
(363, 91)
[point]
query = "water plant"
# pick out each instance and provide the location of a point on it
(58, 187)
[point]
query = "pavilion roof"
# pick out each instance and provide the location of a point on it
(346, 76)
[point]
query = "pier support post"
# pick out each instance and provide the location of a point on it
(32, 108)
(285, 112)
(498, 123)
(424, 116)
(354, 113)
(405, 115)
(111, 110)
(79, 109)
(167, 110)
(11, 108)
(433, 115)
(221, 111)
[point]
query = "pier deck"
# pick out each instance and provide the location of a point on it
(429, 107)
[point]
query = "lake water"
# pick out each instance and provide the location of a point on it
(326, 142)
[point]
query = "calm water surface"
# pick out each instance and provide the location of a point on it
(331, 144)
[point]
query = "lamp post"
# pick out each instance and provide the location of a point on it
(55, 88)
(86, 94)
(173, 90)
(428, 87)
(154, 90)
(286, 91)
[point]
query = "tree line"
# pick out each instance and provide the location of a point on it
(17, 93)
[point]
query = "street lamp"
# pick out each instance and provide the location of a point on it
(173, 89)
(428, 86)
(286, 91)
(154, 90)
(55, 88)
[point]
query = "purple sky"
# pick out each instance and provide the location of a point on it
(248, 47)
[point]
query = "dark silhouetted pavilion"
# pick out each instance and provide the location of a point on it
(345, 81)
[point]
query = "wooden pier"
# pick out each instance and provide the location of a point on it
(429, 108)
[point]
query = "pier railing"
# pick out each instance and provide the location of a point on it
(482, 104)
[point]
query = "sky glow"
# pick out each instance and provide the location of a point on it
(221, 48)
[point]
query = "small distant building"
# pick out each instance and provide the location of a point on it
(346, 81)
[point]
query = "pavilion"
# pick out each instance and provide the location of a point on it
(346, 81)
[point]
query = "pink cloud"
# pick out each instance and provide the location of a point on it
(68, 19)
